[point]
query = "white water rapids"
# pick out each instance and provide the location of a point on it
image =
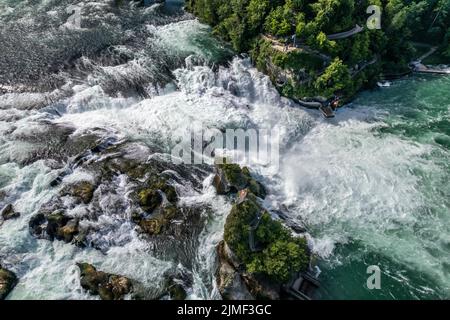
(341, 178)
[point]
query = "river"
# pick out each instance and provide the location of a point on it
(371, 186)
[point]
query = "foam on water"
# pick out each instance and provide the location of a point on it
(348, 183)
(47, 269)
(342, 178)
(352, 180)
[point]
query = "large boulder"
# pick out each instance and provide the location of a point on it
(230, 178)
(83, 191)
(8, 281)
(158, 221)
(54, 225)
(107, 286)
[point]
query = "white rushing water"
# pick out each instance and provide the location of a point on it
(341, 178)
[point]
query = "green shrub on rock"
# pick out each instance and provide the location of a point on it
(279, 255)
(237, 227)
(281, 259)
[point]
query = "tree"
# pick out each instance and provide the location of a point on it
(324, 44)
(256, 13)
(335, 77)
(277, 24)
(447, 40)
(280, 259)
(281, 255)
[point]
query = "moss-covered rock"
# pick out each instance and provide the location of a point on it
(158, 222)
(55, 225)
(152, 226)
(168, 190)
(107, 286)
(61, 227)
(150, 199)
(68, 231)
(230, 178)
(159, 199)
(8, 281)
(8, 212)
(83, 190)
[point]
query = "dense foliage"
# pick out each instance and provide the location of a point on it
(279, 255)
(242, 22)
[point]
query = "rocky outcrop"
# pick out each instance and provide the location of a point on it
(107, 286)
(230, 178)
(129, 187)
(82, 191)
(229, 281)
(158, 222)
(8, 281)
(55, 225)
(258, 254)
(175, 289)
(8, 212)
(158, 202)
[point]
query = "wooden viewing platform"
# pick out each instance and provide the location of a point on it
(302, 287)
(327, 112)
(421, 68)
(323, 105)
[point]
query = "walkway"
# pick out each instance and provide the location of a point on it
(365, 65)
(345, 34)
(251, 235)
(279, 46)
(418, 66)
(429, 53)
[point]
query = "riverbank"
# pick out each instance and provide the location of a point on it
(306, 55)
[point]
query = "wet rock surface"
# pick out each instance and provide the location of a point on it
(8, 281)
(107, 286)
(231, 178)
(128, 187)
(176, 289)
(54, 226)
(229, 281)
(83, 191)
(8, 212)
